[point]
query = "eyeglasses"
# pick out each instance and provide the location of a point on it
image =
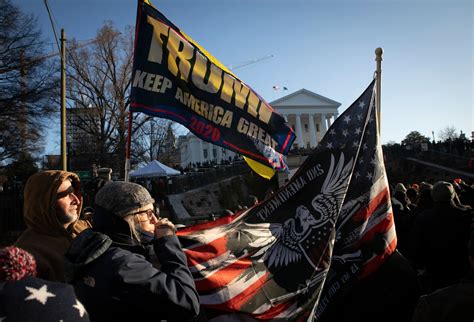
(150, 213)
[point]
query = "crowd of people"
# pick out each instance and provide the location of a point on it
(193, 166)
(434, 225)
(124, 262)
(127, 265)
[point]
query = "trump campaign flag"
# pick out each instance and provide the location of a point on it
(288, 256)
(174, 78)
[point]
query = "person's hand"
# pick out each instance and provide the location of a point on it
(164, 227)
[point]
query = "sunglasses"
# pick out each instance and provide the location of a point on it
(67, 192)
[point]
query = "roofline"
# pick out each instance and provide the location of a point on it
(303, 90)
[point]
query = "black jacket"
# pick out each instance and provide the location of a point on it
(389, 294)
(450, 304)
(116, 282)
(439, 240)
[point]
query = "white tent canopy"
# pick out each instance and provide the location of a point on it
(154, 169)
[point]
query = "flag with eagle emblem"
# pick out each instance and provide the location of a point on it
(289, 255)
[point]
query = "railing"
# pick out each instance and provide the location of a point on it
(205, 176)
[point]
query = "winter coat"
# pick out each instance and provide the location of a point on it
(45, 237)
(439, 241)
(451, 304)
(116, 282)
(389, 294)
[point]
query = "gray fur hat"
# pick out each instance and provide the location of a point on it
(121, 198)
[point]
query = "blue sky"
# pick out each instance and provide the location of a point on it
(324, 46)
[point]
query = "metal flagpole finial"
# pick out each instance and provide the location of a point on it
(378, 54)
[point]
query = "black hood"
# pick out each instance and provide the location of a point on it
(85, 248)
(113, 226)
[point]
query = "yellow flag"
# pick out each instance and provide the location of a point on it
(262, 170)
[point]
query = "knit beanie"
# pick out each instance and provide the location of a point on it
(121, 198)
(16, 264)
(34, 299)
(442, 192)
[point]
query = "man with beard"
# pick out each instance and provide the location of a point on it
(51, 213)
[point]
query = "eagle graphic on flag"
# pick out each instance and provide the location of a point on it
(288, 256)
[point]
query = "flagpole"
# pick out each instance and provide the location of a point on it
(127, 147)
(378, 75)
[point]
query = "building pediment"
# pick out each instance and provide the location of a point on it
(304, 98)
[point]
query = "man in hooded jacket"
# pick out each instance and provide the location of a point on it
(51, 213)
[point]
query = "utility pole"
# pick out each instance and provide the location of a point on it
(63, 102)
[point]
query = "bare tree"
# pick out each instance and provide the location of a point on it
(27, 84)
(151, 141)
(99, 78)
(449, 133)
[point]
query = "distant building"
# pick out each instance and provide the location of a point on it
(51, 162)
(80, 124)
(308, 113)
(168, 151)
(82, 152)
(193, 150)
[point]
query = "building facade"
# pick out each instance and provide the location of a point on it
(77, 120)
(81, 143)
(309, 114)
(195, 151)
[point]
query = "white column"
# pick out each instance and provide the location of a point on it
(312, 131)
(324, 124)
(299, 133)
(194, 148)
(219, 154)
(201, 152)
(330, 119)
(210, 152)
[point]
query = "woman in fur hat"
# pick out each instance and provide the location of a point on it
(110, 268)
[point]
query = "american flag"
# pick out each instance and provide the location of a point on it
(288, 256)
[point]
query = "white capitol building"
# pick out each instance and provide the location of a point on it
(308, 113)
